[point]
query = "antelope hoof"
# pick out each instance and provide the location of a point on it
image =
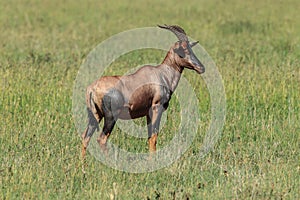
(83, 152)
(85, 143)
(102, 140)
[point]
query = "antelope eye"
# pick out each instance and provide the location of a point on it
(180, 52)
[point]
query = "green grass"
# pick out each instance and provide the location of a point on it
(255, 45)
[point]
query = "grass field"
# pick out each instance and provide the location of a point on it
(255, 45)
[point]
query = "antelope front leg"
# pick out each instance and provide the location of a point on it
(153, 122)
(152, 142)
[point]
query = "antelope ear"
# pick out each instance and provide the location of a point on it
(194, 43)
(180, 51)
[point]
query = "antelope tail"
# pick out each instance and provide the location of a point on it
(93, 123)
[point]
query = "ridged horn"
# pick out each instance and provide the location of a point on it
(177, 30)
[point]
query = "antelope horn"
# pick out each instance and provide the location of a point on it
(177, 30)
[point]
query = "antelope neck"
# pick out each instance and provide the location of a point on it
(170, 61)
(171, 73)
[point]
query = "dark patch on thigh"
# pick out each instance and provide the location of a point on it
(112, 102)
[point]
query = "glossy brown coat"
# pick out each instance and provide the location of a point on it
(146, 92)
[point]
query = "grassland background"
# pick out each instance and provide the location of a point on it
(255, 45)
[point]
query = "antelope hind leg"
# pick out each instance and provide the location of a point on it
(102, 140)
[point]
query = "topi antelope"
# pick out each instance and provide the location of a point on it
(146, 92)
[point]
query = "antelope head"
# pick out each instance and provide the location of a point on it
(184, 54)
